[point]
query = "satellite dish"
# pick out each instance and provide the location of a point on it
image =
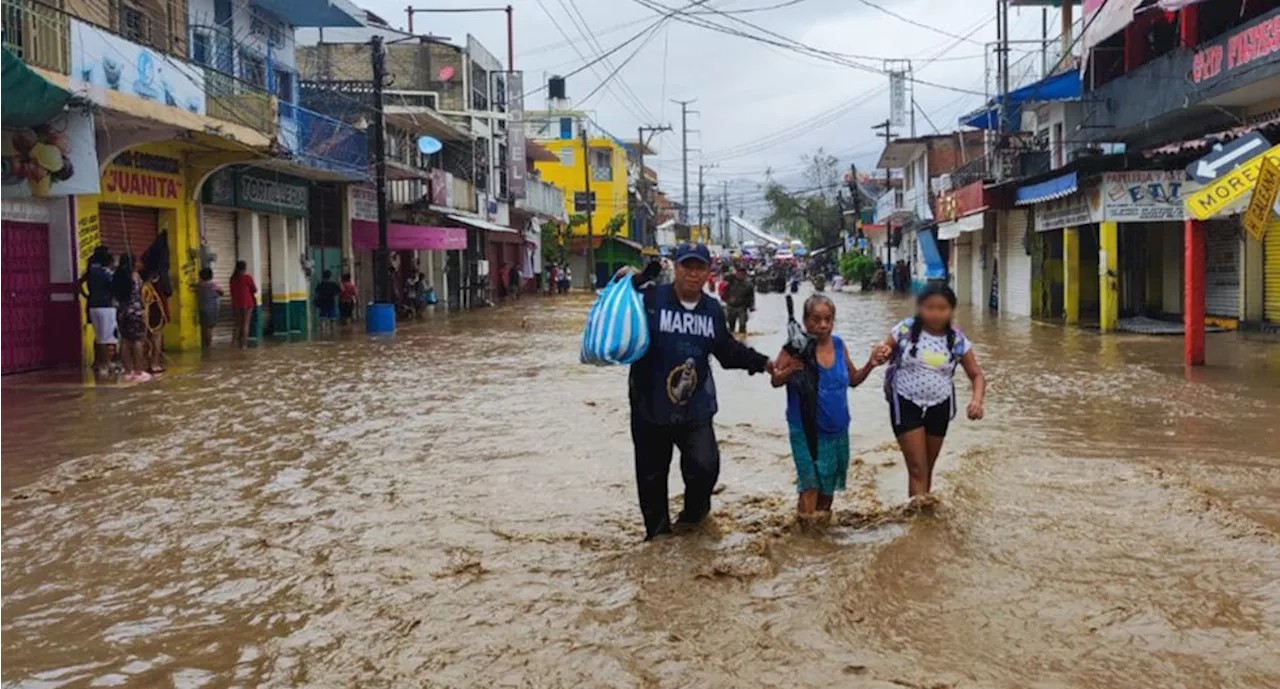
(429, 145)
(446, 73)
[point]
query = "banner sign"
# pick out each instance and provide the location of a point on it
(272, 195)
(515, 135)
(1248, 46)
(1146, 196)
(1222, 192)
(58, 158)
(143, 179)
(898, 99)
(1264, 195)
(362, 202)
(108, 61)
(1068, 211)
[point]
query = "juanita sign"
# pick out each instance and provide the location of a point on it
(1246, 46)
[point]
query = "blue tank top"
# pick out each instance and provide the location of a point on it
(833, 396)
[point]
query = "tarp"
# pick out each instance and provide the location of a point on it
(28, 99)
(401, 237)
(935, 267)
(750, 227)
(1058, 87)
(1047, 190)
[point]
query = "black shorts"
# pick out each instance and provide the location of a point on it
(910, 416)
(346, 310)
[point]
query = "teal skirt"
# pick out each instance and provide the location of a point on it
(832, 466)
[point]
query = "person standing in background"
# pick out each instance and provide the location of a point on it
(327, 293)
(95, 286)
(739, 299)
(126, 287)
(347, 300)
(243, 300)
(209, 301)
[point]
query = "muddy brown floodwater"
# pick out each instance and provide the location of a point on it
(456, 508)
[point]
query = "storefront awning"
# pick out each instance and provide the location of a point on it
(481, 224)
(957, 227)
(1058, 87)
(401, 237)
(29, 100)
(1055, 188)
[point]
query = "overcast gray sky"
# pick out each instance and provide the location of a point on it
(760, 106)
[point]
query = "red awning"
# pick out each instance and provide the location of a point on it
(401, 237)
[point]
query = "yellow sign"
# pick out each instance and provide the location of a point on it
(1264, 194)
(1222, 192)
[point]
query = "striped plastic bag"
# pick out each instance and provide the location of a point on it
(617, 329)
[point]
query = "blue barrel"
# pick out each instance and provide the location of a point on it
(380, 319)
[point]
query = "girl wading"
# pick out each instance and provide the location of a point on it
(821, 449)
(920, 383)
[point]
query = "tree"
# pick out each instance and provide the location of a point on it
(812, 214)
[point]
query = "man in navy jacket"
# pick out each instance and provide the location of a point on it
(673, 397)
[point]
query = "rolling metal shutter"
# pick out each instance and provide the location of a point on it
(1271, 273)
(1222, 270)
(128, 228)
(1015, 266)
(220, 236)
(961, 274)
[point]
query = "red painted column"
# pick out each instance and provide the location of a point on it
(1193, 296)
(1188, 25)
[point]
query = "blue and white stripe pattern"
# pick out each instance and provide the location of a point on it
(617, 329)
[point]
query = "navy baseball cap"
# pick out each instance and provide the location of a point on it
(688, 251)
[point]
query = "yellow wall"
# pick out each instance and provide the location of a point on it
(178, 217)
(611, 196)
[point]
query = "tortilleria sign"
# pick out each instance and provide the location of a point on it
(1264, 194)
(272, 195)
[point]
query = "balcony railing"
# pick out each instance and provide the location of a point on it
(543, 198)
(323, 142)
(975, 170)
(39, 34)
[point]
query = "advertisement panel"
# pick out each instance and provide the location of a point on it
(58, 158)
(515, 135)
(148, 180)
(1145, 196)
(108, 61)
(898, 99)
(362, 202)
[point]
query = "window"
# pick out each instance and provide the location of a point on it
(252, 69)
(135, 25)
(266, 25)
(1058, 145)
(284, 85)
(200, 48)
(566, 157)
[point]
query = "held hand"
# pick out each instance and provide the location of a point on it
(879, 354)
(975, 411)
(624, 271)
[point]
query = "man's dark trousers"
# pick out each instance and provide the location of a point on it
(699, 465)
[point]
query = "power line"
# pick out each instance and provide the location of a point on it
(913, 22)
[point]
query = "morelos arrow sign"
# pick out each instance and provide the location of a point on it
(1227, 158)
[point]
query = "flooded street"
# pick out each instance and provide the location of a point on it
(456, 508)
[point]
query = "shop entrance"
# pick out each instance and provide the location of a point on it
(24, 318)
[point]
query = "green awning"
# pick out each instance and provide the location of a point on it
(26, 98)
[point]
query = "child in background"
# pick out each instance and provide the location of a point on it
(818, 478)
(920, 383)
(209, 300)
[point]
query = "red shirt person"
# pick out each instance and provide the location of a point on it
(243, 301)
